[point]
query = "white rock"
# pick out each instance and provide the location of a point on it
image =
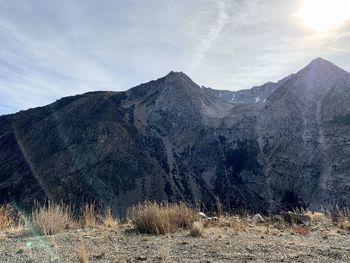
(257, 219)
(202, 215)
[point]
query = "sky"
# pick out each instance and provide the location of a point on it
(51, 49)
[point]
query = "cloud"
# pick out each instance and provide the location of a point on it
(51, 49)
(214, 31)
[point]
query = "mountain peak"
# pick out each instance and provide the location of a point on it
(321, 62)
(176, 75)
(312, 82)
(320, 70)
(322, 65)
(179, 79)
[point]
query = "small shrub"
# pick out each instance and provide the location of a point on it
(8, 217)
(345, 225)
(109, 220)
(161, 218)
(89, 215)
(342, 218)
(196, 229)
(52, 218)
(317, 217)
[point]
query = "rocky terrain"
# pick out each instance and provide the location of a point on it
(253, 95)
(275, 147)
(218, 244)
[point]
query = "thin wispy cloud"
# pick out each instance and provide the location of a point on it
(214, 31)
(51, 49)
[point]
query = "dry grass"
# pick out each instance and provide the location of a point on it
(161, 218)
(109, 220)
(7, 220)
(219, 207)
(196, 229)
(341, 218)
(336, 218)
(52, 218)
(82, 255)
(300, 230)
(89, 214)
(344, 225)
(319, 218)
(238, 223)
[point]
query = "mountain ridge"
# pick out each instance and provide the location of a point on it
(170, 139)
(180, 75)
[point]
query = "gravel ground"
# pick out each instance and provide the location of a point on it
(218, 244)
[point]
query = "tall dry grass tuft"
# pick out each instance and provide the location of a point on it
(109, 220)
(89, 215)
(318, 218)
(341, 218)
(181, 214)
(52, 218)
(161, 218)
(219, 208)
(9, 219)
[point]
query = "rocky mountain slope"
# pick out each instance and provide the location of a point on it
(254, 95)
(170, 139)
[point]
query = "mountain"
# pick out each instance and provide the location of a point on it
(253, 95)
(305, 131)
(170, 139)
(257, 94)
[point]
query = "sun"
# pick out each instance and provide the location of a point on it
(324, 15)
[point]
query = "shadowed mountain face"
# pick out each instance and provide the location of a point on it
(279, 146)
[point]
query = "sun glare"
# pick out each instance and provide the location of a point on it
(324, 15)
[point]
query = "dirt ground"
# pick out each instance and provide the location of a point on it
(218, 244)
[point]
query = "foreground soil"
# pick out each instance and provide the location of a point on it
(218, 244)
